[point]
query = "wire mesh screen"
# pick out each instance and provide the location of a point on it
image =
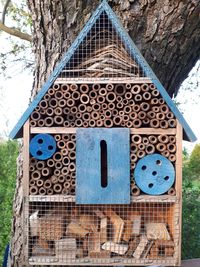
(66, 233)
(102, 54)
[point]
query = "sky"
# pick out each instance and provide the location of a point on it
(15, 94)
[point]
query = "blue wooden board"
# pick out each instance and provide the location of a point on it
(129, 44)
(154, 174)
(88, 166)
(42, 146)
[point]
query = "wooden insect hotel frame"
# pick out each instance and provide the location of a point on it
(102, 158)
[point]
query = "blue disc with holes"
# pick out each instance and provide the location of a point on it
(154, 174)
(42, 146)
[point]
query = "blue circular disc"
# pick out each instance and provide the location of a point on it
(154, 174)
(42, 146)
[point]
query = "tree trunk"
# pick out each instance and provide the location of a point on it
(167, 33)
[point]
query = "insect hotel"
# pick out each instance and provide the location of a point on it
(102, 157)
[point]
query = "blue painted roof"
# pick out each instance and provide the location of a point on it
(129, 44)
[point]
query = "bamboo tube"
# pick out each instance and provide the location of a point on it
(146, 121)
(153, 139)
(134, 147)
(120, 89)
(100, 99)
(169, 115)
(42, 112)
(58, 165)
(40, 165)
(36, 175)
(128, 86)
(45, 171)
(41, 123)
(78, 115)
(73, 87)
(33, 190)
(67, 124)
(102, 91)
(121, 113)
(154, 123)
(78, 123)
(115, 112)
(172, 139)
(138, 98)
(73, 182)
(131, 102)
(93, 94)
(155, 93)
(42, 191)
(84, 99)
(33, 123)
(117, 120)
(144, 106)
(47, 184)
(66, 110)
(92, 123)
(150, 149)
(56, 87)
(172, 123)
(119, 105)
(57, 188)
(161, 147)
(136, 139)
(72, 155)
(71, 102)
(152, 86)
(145, 87)
(57, 137)
(35, 116)
(154, 101)
(125, 118)
(67, 95)
(72, 191)
(64, 87)
(155, 109)
(61, 144)
(142, 115)
(65, 137)
(165, 153)
(71, 145)
(64, 152)
(96, 86)
(123, 124)
(50, 163)
(73, 175)
(58, 95)
(57, 156)
(92, 101)
(32, 182)
(95, 115)
(145, 140)
(65, 191)
(133, 115)
(108, 113)
(99, 123)
(58, 111)
(119, 98)
(133, 165)
(164, 124)
(31, 168)
(108, 123)
(135, 191)
(51, 91)
(53, 102)
(48, 121)
(160, 116)
(171, 148)
(84, 88)
(71, 117)
(137, 123)
(65, 161)
(68, 177)
(141, 146)
(140, 154)
(85, 124)
(39, 183)
(62, 103)
(171, 191)
(128, 95)
(151, 115)
(146, 96)
(134, 158)
(86, 116)
(110, 97)
(164, 109)
(111, 106)
(33, 161)
(109, 87)
(49, 191)
(163, 138)
(125, 102)
(129, 124)
(136, 108)
(82, 108)
(54, 179)
(135, 89)
(161, 101)
(67, 185)
(96, 107)
(44, 104)
(64, 171)
(127, 109)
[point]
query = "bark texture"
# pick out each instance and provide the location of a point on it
(167, 33)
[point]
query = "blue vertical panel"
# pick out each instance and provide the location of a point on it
(88, 166)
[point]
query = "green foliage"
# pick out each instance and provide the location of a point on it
(194, 163)
(8, 155)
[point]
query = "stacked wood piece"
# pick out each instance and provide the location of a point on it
(103, 105)
(57, 174)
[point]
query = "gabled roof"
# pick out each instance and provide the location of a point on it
(129, 44)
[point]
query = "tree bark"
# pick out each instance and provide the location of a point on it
(167, 33)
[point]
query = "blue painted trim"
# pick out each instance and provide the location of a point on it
(129, 44)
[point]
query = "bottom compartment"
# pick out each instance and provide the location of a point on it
(135, 234)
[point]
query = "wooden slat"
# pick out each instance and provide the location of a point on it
(102, 80)
(26, 134)
(64, 130)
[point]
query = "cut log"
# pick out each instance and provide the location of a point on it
(103, 230)
(76, 230)
(128, 229)
(119, 249)
(67, 244)
(117, 225)
(34, 220)
(89, 222)
(140, 248)
(157, 231)
(94, 243)
(148, 247)
(132, 246)
(136, 219)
